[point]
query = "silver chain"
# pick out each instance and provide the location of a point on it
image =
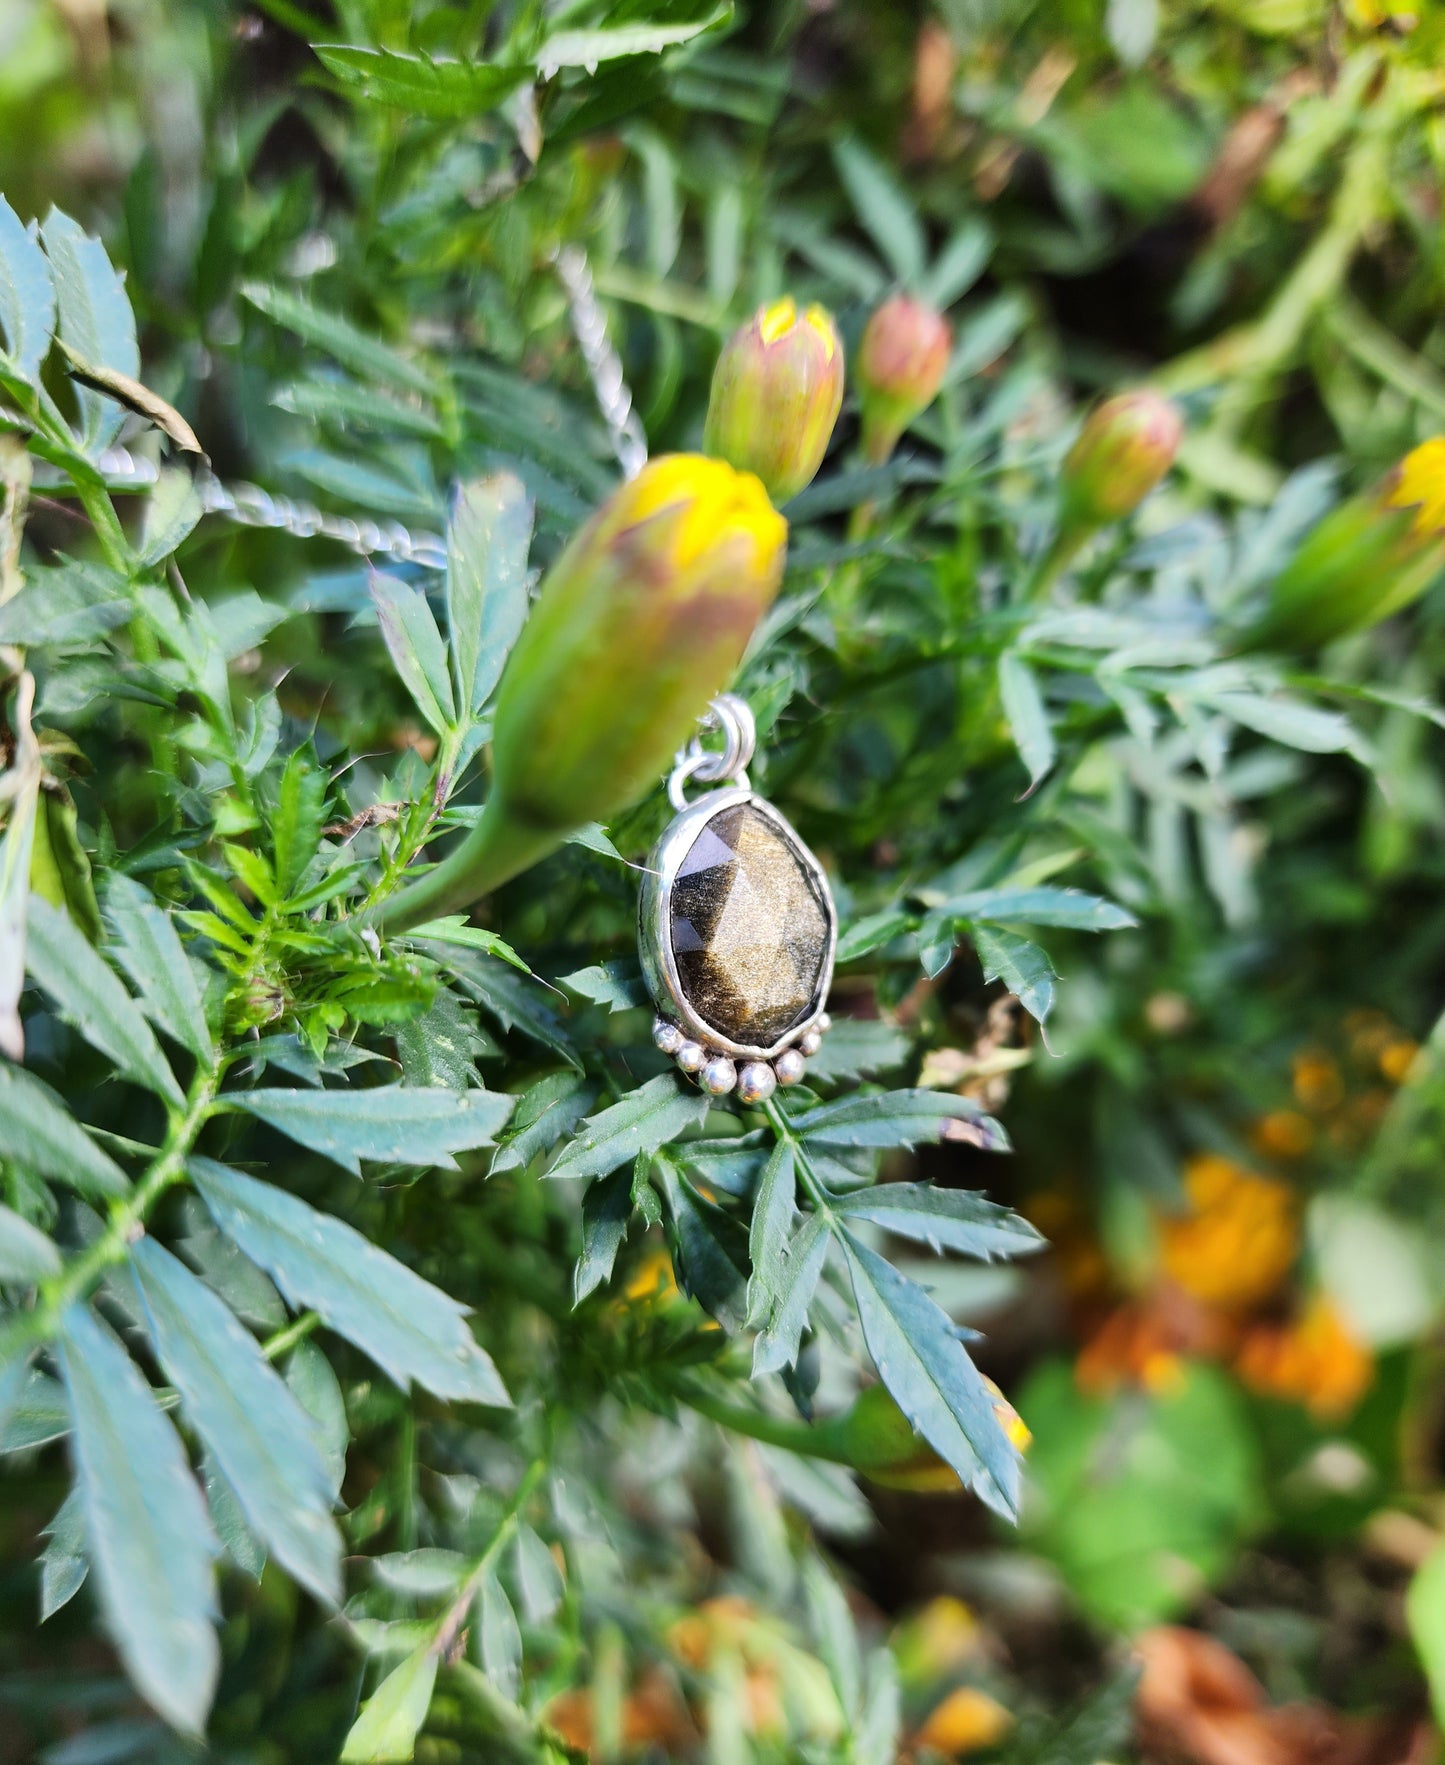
(250, 506)
(604, 365)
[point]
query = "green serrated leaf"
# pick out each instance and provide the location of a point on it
(551, 1108)
(488, 539)
(228, 1518)
(416, 648)
(774, 1206)
(710, 1251)
(410, 1328)
(944, 1219)
(514, 1001)
(64, 1564)
(151, 953)
(871, 933)
(590, 48)
(38, 1132)
(777, 1343)
(455, 930)
(499, 1641)
(1020, 964)
(95, 318)
(931, 1378)
(340, 339)
(897, 1118)
(146, 1525)
(396, 1124)
(856, 1046)
(316, 1388)
(884, 208)
(643, 1121)
(253, 1427)
(433, 86)
(296, 823)
(606, 1209)
(618, 985)
(1073, 908)
(87, 994)
(1028, 717)
(538, 1579)
(27, 295)
(172, 510)
(26, 1254)
(60, 866)
(391, 1718)
(1287, 720)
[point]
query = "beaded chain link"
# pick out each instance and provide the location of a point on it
(248, 505)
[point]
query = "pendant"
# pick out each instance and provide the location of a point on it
(736, 927)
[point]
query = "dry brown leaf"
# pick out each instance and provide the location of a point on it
(1198, 1702)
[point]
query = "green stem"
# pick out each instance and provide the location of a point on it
(283, 1341)
(793, 1436)
(1050, 565)
(126, 1223)
(451, 1620)
(813, 1184)
(497, 849)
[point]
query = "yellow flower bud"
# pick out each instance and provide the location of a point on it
(641, 620)
(1365, 560)
(1125, 447)
(775, 396)
(901, 363)
(876, 1438)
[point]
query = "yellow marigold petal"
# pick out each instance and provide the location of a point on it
(1420, 485)
(819, 319)
(1239, 1242)
(777, 320)
(1284, 1133)
(1397, 1058)
(967, 1721)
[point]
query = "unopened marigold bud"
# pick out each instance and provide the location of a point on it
(641, 620)
(901, 363)
(776, 392)
(1125, 447)
(1365, 560)
(879, 1440)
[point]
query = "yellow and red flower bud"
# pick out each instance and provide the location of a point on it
(901, 363)
(1125, 447)
(776, 393)
(1366, 559)
(641, 620)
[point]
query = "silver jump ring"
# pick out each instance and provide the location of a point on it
(734, 718)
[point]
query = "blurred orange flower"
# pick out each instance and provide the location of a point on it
(967, 1721)
(1316, 1360)
(1236, 1245)
(1283, 1133)
(1318, 1086)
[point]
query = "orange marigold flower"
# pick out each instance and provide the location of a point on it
(1318, 1086)
(936, 1640)
(1135, 1345)
(1283, 1133)
(967, 1721)
(653, 1279)
(1396, 1059)
(1316, 1360)
(1237, 1243)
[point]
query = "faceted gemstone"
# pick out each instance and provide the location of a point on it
(749, 928)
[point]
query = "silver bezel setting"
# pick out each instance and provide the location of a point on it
(659, 965)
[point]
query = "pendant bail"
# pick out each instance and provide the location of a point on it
(733, 716)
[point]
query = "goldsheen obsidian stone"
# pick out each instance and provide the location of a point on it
(749, 927)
